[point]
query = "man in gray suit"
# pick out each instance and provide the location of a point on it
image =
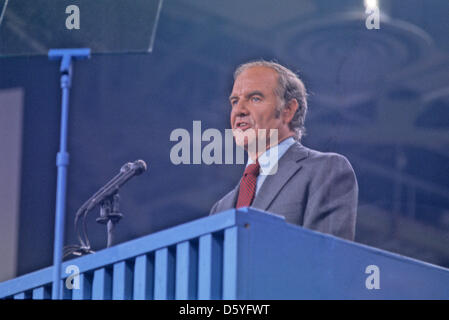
(311, 189)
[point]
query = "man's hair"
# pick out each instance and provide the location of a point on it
(290, 86)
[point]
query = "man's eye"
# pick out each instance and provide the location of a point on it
(255, 99)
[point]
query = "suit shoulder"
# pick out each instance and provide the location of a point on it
(332, 168)
(327, 156)
(329, 159)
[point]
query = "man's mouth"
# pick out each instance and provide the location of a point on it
(242, 125)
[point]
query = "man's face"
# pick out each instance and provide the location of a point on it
(255, 106)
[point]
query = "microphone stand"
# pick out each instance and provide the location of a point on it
(110, 215)
(108, 200)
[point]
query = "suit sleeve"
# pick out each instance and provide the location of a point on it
(333, 196)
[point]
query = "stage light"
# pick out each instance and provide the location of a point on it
(371, 4)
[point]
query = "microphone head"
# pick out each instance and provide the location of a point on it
(139, 166)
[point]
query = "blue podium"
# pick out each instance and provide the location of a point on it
(237, 254)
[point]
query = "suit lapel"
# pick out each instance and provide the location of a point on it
(288, 165)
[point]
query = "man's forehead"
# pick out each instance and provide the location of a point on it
(255, 78)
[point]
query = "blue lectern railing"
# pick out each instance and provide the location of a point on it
(237, 254)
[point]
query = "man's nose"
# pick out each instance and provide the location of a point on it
(240, 108)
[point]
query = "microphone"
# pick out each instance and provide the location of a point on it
(127, 171)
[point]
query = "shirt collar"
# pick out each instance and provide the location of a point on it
(270, 158)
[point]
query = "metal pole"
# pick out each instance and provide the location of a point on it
(62, 162)
(62, 158)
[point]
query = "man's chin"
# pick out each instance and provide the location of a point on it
(244, 138)
(248, 146)
(244, 145)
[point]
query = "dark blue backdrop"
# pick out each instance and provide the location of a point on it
(380, 97)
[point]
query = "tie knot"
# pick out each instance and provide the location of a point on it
(252, 170)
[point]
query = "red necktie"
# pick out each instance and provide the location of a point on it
(248, 185)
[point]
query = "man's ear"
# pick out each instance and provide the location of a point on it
(289, 110)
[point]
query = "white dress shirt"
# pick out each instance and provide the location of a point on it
(269, 159)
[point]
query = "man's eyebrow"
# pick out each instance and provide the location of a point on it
(255, 93)
(249, 95)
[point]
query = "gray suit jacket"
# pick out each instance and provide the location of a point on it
(312, 189)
